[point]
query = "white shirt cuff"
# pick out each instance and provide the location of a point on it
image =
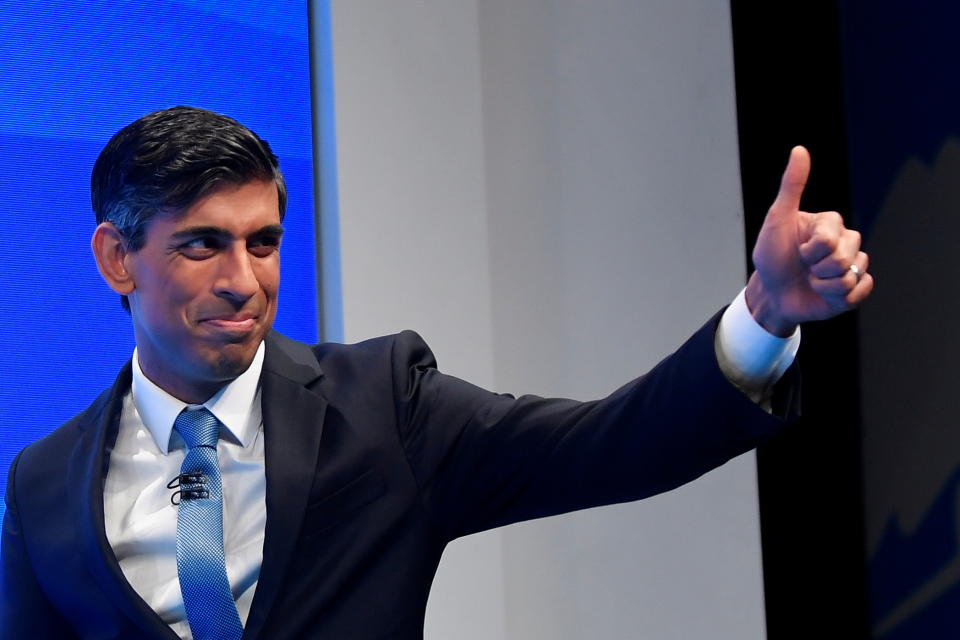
(749, 356)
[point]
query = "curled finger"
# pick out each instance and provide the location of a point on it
(825, 235)
(839, 281)
(861, 291)
(837, 262)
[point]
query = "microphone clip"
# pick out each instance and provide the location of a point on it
(190, 486)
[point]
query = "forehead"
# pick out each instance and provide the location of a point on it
(236, 208)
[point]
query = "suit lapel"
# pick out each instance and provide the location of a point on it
(85, 473)
(292, 425)
(293, 422)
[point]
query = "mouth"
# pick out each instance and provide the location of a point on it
(239, 323)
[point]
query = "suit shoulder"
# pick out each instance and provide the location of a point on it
(404, 347)
(53, 447)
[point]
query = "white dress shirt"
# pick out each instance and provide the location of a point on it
(141, 522)
(749, 356)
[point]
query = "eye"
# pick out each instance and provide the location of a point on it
(264, 247)
(199, 247)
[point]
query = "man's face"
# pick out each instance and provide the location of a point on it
(205, 289)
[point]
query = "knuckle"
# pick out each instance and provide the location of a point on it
(826, 237)
(830, 219)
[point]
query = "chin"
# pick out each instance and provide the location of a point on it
(232, 361)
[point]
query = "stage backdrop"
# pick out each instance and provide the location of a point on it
(71, 75)
(903, 101)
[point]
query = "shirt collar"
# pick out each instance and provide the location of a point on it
(236, 406)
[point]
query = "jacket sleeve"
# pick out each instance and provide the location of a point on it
(25, 612)
(483, 460)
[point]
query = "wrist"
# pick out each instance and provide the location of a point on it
(765, 311)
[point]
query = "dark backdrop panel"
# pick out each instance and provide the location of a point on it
(904, 125)
(859, 503)
(71, 74)
(790, 90)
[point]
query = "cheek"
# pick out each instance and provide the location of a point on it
(187, 284)
(179, 291)
(268, 275)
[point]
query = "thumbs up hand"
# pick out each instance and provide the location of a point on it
(808, 265)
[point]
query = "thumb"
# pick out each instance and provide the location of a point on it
(793, 181)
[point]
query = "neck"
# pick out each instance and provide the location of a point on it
(180, 387)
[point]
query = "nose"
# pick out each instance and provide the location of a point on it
(236, 280)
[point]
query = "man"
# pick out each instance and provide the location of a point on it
(233, 482)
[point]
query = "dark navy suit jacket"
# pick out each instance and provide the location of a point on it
(374, 462)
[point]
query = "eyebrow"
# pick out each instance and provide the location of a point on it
(271, 230)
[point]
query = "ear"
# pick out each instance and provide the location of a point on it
(110, 251)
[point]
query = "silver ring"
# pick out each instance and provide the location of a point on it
(856, 271)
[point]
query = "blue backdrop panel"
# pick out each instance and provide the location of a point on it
(71, 74)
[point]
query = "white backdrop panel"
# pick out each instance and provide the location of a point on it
(549, 193)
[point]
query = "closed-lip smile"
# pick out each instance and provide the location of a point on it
(232, 321)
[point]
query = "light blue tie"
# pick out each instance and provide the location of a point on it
(210, 608)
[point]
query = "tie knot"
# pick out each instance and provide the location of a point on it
(198, 428)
